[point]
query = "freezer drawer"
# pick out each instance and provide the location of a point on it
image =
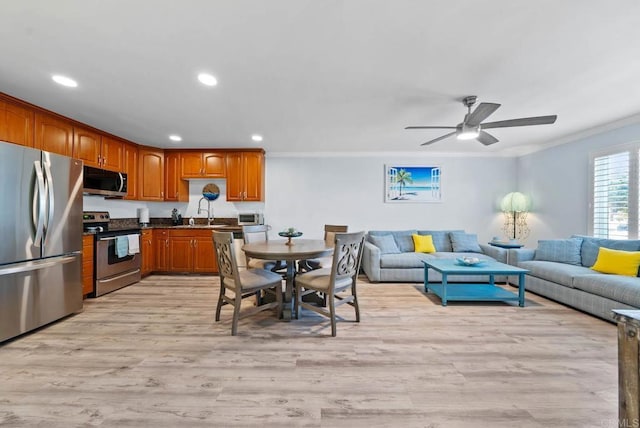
(33, 294)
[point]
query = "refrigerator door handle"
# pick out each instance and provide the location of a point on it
(51, 196)
(38, 204)
(37, 265)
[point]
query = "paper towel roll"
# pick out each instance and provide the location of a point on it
(143, 215)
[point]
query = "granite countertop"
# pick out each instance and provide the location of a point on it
(196, 226)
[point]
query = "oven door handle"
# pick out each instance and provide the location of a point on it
(113, 238)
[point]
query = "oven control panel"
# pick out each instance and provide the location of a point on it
(95, 217)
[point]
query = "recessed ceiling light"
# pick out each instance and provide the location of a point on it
(207, 79)
(175, 138)
(64, 81)
(256, 137)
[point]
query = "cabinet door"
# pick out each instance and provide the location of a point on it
(213, 165)
(234, 177)
(130, 167)
(16, 124)
(180, 254)
(204, 259)
(86, 146)
(87, 264)
(112, 154)
(53, 134)
(191, 165)
(253, 175)
(160, 249)
(150, 174)
(176, 189)
(146, 248)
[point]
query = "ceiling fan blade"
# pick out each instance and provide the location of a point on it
(439, 138)
(481, 112)
(430, 127)
(525, 121)
(486, 138)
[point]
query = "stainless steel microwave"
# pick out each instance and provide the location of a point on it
(104, 182)
(248, 219)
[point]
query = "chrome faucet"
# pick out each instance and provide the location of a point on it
(208, 210)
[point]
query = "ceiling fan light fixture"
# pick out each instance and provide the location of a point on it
(468, 132)
(468, 135)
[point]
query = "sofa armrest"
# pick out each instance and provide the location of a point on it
(371, 261)
(500, 254)
(521, 255)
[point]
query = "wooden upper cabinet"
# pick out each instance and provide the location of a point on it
(196, 164)
(112, 154)
(245, 176)
(130, 167)
(16, 124)
(175, 189)
(53, 134)
(150, 174)
(86, 146)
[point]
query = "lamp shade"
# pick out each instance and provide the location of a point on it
(515, 201)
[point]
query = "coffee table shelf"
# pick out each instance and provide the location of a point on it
(473, 292)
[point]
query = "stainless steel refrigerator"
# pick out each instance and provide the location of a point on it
(40, 238)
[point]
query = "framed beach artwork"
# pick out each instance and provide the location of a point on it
(412, 184)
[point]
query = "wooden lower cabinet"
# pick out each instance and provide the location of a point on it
(87, 264)
(160, 249)
(146, 250)
(191, 251)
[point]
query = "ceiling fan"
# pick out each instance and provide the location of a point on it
(472, 127)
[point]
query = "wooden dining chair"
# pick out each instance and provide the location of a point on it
(338, 282)
(242, 283)
(330, 231)
(260, 233)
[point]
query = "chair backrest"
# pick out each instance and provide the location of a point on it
(255, 233)
(347, 255)
(227, 264)
(330, 231)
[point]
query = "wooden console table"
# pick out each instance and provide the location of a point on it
(628, 374)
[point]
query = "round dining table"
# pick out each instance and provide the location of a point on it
(301, 249)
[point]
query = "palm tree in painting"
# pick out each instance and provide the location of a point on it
(403, 178)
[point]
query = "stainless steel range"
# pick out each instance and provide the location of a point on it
(116, 253)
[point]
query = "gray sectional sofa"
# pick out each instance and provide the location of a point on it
(389, 255)
(561, 270)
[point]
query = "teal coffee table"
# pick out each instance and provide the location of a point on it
(473, 292)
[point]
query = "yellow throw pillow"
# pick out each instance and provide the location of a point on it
(423, 244)
(617, 261)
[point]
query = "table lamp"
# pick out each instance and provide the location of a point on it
(515, 207)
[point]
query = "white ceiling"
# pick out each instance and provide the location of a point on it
(325, 75)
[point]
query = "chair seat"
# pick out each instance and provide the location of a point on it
(320, 280)
(254, 279)
(261, 264)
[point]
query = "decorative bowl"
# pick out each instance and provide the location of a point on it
(470, 261)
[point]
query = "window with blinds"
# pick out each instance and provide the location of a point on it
(614, 196)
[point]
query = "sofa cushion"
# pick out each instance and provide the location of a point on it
(591, 245)
(403, 238)
(560, 250)
(617, 262)
(464, 242)
(624, 289)
(423, 243)
(386, 243)
(560, 273)
(403, 260)
(441, 239)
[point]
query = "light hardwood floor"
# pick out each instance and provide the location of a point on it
(151, 355)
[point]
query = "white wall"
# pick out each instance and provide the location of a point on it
(557, 179)
(307, 192)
